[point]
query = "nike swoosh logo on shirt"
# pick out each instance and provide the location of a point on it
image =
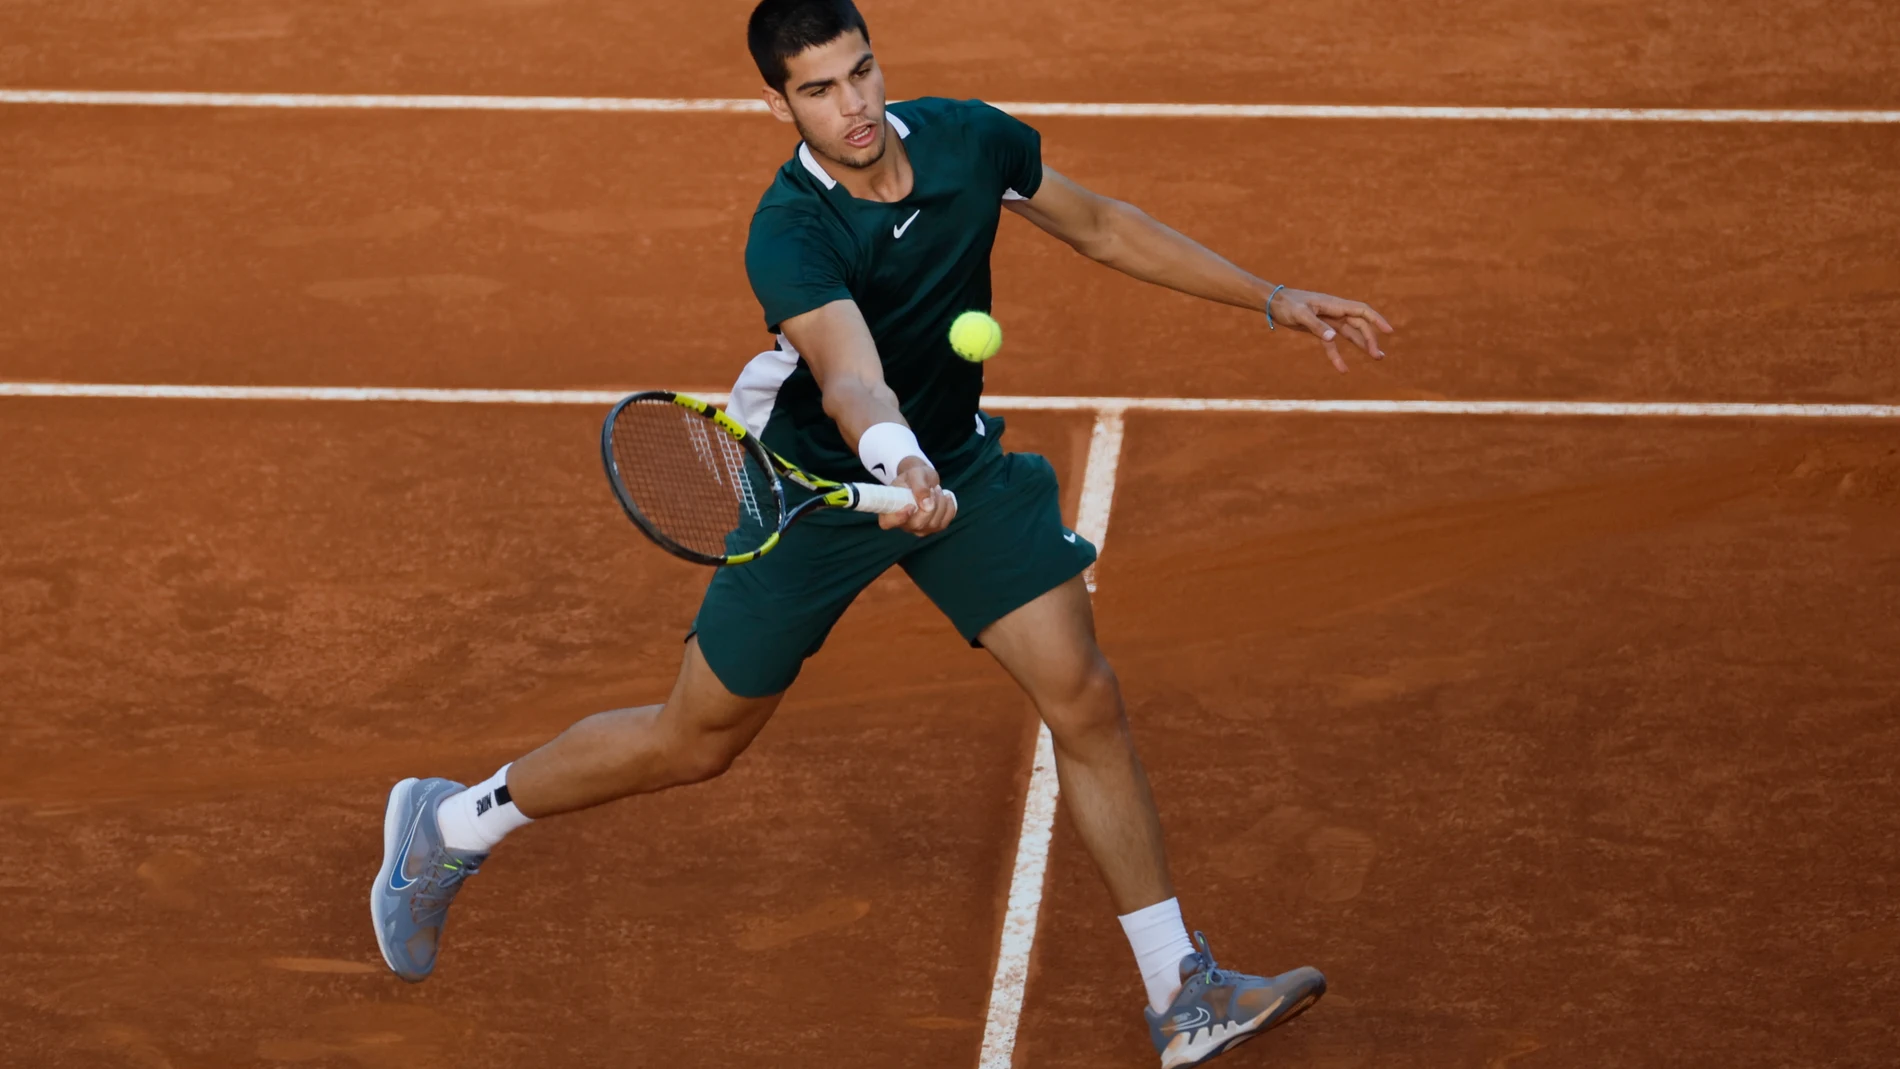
(898, 231)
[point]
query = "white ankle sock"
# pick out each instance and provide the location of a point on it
(1160, 941)
(481, 816)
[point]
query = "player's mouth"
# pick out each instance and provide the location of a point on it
(861, 136)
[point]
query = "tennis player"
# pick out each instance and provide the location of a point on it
(871, 239)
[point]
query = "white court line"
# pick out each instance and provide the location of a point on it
(1025, 906)
(411, 102)
(1039, 807)
(1098, 482)
(993, 402)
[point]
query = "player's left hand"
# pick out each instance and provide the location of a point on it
(1326, 317)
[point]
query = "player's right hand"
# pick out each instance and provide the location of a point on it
(934, 508)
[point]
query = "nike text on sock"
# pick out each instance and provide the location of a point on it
(477, 818)
(1159, 940)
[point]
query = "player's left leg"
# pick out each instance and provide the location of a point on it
(1049, 647)
(1008, 574)
(1196, 1009)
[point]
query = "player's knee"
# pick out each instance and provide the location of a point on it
(1083, 701)
(699, 758)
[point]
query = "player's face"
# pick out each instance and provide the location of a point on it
(835, 95)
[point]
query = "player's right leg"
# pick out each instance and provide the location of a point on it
(692, 738)
(755, 628)
(436, 833)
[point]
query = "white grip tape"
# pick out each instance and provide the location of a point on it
(886, 499)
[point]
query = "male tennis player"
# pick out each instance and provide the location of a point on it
(871, 239)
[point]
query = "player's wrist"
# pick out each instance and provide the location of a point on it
(885, 447)
(1266, 305)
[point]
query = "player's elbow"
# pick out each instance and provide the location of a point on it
(1106, 240)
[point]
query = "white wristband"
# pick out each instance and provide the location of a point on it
(885, 446)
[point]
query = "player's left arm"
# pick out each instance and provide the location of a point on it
(1127, 239)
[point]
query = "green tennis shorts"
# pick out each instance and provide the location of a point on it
(1006, 547)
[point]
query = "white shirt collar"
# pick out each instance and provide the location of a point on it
(804, 157)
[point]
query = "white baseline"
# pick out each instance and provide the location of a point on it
(993, 402)
(413, 102)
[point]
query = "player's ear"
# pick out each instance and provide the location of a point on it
(781, 108)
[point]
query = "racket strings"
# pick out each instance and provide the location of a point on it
(691, 480)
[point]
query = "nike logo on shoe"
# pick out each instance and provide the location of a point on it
(402, 855)
(898, 231)
(1187, 1022)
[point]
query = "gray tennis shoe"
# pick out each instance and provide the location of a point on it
(1218, 1010)
(409, 902)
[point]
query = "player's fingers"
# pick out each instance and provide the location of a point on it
(1309, 320)
(1335, 307)
(889, 520)
(1317, 326)
(1364, 335)
(928, 516)
(946, 511)
(1355, 333)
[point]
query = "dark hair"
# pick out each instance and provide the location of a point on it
(781, 29)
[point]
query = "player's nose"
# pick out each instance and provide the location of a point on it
(851, 102)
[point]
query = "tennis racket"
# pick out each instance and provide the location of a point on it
(705, 489)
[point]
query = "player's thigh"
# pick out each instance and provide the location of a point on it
(705, 725)
(1048, 646)
(1006, 548)
(759, 621)
(700, 704)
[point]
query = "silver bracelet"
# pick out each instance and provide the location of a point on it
(1269, 308)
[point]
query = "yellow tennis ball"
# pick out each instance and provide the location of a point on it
(976, 337)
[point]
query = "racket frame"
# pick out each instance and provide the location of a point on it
(829, 494)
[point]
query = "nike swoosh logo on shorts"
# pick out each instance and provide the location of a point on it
(898, 231)
(1068, 536)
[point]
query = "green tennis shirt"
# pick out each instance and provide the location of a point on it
(911, 265)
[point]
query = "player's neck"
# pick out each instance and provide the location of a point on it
(889, 179)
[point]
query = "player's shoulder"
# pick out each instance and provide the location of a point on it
(793, 201)
(792, 187)
(924, 112)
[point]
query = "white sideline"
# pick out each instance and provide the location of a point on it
(994, 402)
(431, 102)
(1039, 806)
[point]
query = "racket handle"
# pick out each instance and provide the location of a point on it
(885, 499)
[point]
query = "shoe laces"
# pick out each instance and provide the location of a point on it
(1210, 973)
(440, 882)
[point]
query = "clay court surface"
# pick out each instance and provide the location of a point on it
(1553, 741)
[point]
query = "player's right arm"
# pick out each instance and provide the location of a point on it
(837, 344)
